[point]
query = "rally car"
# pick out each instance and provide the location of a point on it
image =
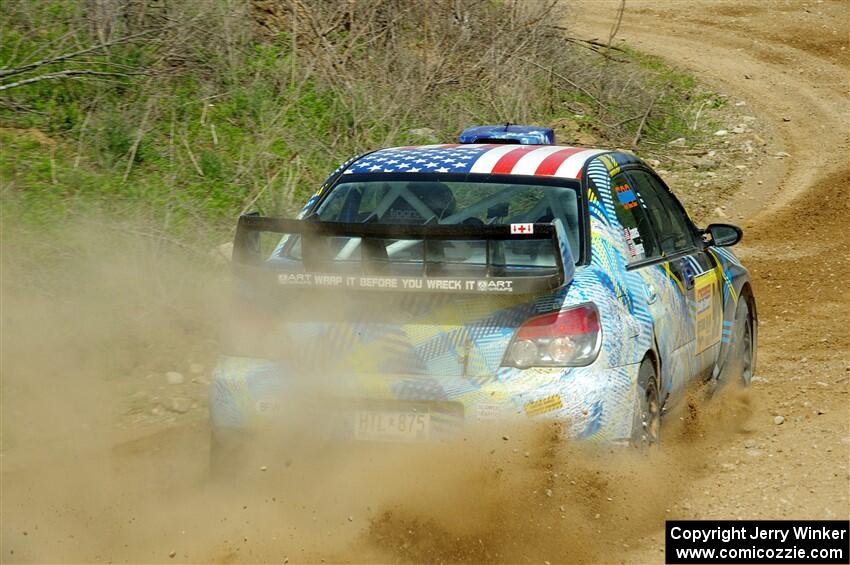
(425, 288)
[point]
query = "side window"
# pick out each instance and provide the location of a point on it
(637, 228)
(672, 230)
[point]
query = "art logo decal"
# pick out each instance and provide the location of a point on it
(522, 229)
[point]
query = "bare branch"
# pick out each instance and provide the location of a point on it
(591, 43)
(192, 157)
(6, 72)
(623, 122)
(565, 79)
(616, 27)
(17, 107)
(134, 150)
(64, 74)
(600, 44)
(646, 115)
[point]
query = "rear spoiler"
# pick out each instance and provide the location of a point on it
(317, 269)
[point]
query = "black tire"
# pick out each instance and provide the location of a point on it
(646, 426)
(740, 357)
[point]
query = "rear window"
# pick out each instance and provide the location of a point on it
(442, 202)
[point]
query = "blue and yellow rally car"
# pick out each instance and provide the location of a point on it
(424, 288)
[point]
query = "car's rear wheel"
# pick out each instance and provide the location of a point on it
(646, 427)
(738, 365)
(227, 455)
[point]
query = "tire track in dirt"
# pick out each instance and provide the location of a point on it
(800, 92)
(796, 55)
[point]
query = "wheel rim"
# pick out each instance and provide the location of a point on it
(747, 353)
(738, 366)
(650, 417)
(646, 426)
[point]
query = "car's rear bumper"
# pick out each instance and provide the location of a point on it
(250, 395)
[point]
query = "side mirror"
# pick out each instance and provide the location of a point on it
(723, 235)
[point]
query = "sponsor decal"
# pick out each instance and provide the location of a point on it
(633, 242)
(709, 314)
(319, 280)
(295, 278)
(487, 411)
(522, 229)
(403, 214)
(626, 195)
(267, 407)
(495, 286)
(627, 235)
(543, 405)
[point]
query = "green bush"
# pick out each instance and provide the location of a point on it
(221, 105)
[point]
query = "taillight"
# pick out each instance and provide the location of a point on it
(569, 338)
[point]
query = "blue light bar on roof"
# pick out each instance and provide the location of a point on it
(508, 133)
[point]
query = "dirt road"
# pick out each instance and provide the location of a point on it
(788, 61)
(79, 487)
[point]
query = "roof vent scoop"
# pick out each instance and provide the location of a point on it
(509, 133)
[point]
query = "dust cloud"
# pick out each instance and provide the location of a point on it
(99, 463)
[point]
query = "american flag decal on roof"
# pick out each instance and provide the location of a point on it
(502, 159)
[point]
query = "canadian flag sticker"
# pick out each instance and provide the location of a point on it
(522, 229)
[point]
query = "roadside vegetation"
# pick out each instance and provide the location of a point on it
(180, 114)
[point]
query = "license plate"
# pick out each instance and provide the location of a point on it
(372, 425)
